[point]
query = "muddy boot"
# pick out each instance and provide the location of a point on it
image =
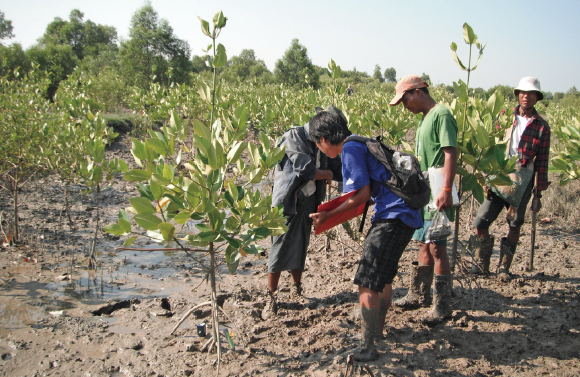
(441, 300)
(271, 308)
(506, 255)
(483, 256)
(420, 289)
(296, 291)
(369, 324)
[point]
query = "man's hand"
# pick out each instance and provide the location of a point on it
(444, 200)
(536, 204)
(319, 218)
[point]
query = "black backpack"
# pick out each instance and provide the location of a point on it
(407, 183)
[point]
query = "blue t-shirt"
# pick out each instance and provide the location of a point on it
(359, 167)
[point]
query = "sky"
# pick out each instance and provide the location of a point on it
(523, 38)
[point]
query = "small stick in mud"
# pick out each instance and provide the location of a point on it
(188, 314)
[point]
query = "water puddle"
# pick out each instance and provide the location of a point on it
(124, 275)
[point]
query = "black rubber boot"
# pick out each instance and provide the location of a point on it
(419, 293)
(441, 300)
(369, 324)
(483, 256)
(506, 256)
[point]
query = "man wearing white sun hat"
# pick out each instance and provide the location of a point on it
(530, 142)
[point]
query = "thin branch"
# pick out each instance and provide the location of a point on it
(188, 314)
(161, 249)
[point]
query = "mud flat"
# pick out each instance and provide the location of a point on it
(59, 319)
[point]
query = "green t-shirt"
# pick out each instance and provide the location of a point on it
(437, 130)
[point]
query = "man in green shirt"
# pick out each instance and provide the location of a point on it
(436, 143)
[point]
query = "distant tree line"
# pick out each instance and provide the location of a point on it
(154, 54)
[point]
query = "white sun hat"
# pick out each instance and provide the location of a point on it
(528, 84)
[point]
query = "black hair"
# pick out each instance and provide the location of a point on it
(411, 91)
(329, 126)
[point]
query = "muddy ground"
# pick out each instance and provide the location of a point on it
(48, 327)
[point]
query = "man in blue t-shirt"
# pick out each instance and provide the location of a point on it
(392, 227)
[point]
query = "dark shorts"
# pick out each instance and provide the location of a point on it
(383, 247)
(493, 205)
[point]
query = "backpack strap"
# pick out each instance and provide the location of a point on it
(364, 216)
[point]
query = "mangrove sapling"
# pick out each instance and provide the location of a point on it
(26, 128)
(214, 189)
(481, 123)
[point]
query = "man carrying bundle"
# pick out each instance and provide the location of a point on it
(529, 140)
(436, 143)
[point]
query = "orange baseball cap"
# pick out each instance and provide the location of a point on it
(407, 83)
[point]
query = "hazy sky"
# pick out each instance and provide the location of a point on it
(524, 38)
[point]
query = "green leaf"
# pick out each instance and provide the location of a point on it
(499, 153)
(123, 215)
(468, 34)
(220, 57)
(478, 193)
(182, 217)
(453, 46)
(458, 61)
(147, 221)
(233, 242)
(265, 140)
(232, 259)
(137, 175)
(232, 224)
(168, 171)
(208, 236)
(468, 182)
(158, 146)
(235, 152)
(129, 241)
(156, 188)
(125, 225)
(331, 65)
(201, 130)
(494, 104)
(204, 26)
(114, 229)
(215, 220)
(167, 230)
(219, 20)
(203, 227)
(461, 90)
(145, 191)
(461, 171)
(560, 164)
(142, 205)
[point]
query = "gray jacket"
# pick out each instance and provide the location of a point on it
(298, 167)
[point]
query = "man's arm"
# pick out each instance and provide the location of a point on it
(323, 174)
(445, 200)
(361, 196)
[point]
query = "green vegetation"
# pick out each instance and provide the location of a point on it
(204, 127)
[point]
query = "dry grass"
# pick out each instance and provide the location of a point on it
(562, 204)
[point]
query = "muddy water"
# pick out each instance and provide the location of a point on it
(125, 274)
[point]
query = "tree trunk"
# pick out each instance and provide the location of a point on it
(16, 225)
(92, 258)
